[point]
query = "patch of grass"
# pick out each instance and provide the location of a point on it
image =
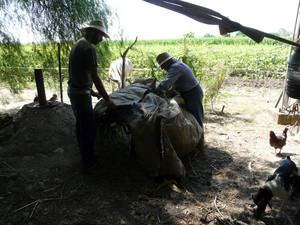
(213, 85)
(226, 95)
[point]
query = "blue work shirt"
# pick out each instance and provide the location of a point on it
(180, 77)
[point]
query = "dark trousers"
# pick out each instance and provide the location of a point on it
(85, 125)
(193, 103)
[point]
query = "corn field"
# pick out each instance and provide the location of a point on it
(237, 56)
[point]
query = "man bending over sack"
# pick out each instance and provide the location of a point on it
(182, 79)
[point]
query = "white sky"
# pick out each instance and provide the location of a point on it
(141, 19)
(146, 21)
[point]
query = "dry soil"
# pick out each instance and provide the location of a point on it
(49, 188)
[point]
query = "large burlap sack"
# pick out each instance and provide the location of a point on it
(171, 165)
(183, 131)
(162, 131)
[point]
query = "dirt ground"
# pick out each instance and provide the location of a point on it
(49, 188)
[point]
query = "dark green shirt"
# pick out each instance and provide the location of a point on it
(82, 57)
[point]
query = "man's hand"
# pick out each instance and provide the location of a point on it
(110, 104)
(96, 94)
(157, 91)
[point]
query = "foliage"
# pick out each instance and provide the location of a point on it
(208, 35)
(13, 70)
(268, 59)
(54, 22)
(191, 59)
(204, 56)
(240, 34)
(189, 35)
(283, 32)
(222, 40)
(213, 84)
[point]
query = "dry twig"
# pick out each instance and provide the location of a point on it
(36, 202)
(215, 204)
(123, 64)
(31, 214)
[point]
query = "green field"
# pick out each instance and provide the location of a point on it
(240, 56)
(237, 56)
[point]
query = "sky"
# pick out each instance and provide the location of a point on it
(146, 21)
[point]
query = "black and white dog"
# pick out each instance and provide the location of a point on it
(284, 184)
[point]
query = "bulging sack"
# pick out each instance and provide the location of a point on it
(162, 131)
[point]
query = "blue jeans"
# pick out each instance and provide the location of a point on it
(85, 125)
(193, 103)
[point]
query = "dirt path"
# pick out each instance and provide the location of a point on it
(217, 189)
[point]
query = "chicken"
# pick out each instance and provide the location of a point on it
(278, 141)
(53, 98)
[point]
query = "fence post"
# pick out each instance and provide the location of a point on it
(39, 80)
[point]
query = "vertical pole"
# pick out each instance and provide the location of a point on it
(39, 80)
(60, 75)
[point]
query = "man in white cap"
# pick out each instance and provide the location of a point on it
(182, 79)
(83, 74)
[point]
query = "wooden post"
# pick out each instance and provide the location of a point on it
(39, 80)
(60, 76)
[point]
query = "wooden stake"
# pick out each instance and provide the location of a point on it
(39, 80)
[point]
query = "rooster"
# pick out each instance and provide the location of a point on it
(278, 141)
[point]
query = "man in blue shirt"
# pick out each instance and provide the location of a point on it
(181, 78)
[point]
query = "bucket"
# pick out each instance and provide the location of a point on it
(293, 75)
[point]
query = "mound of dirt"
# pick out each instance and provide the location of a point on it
(40, 130)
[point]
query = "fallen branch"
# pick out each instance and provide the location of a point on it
(123, 64)
(215, 204)
(31, 214)
(25, 206)
(36, 202)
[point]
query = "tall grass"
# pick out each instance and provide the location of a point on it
(213, 84)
